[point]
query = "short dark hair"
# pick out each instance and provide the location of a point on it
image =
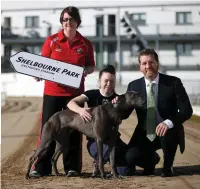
(147, 52)
(107, 69)
(73, 12)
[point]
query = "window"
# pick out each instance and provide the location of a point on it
(111, 25)
(7, 22)
(139, 18)
(111, 53)
(183, 18)
(99, 25)
(6, 30)
(32, 21)
(184, 49)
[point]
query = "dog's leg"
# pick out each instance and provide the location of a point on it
(112, 161)
(112, 147)
(40, 152)
(95, 170)
(100, 158)
(55, 157)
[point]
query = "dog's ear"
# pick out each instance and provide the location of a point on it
(134, 92)
(131, 93)
(120, 97)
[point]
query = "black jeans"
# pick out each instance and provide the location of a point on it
(73, 159)
(144, 155)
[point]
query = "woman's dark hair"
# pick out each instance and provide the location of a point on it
(108, 69)
(73, 12)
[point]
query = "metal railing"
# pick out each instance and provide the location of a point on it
(108, 30)
(6, 66)
(195, 99)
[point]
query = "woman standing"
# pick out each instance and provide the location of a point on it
(68, 45)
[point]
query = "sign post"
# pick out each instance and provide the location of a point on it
(47, 69)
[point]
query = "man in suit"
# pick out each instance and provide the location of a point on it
(160, 120)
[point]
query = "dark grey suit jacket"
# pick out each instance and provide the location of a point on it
(172, 103)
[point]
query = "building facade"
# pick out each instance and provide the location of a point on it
(173, 29)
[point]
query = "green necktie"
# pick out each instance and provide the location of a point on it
(151, 114)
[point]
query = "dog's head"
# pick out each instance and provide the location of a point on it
(133, 99)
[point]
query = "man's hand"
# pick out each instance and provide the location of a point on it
(37, 79)
(85, 115)
(161, 129)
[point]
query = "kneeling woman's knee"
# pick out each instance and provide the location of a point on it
(93, 151)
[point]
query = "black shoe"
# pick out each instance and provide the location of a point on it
(72, 173)
(167, 172)
(148, 172)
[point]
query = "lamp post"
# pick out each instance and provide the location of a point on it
(119, 47)
(49, 27)
(101, 29)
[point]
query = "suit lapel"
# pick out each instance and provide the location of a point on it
(161, 90)
(142, 90)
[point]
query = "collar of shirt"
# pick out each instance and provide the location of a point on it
(62, 37)
(155, 81)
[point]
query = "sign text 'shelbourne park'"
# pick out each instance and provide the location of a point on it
(47, 69)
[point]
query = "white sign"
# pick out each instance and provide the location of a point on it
(47, 69)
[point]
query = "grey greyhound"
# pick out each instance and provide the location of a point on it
(103, 128)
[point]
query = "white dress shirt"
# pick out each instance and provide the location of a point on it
(159, 119)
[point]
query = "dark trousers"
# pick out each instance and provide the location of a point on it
(120, 158)
(73, 159)
(144, 150)
(120, 149)
(125, 155)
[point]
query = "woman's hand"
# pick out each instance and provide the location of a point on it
(85, 73)
(85, 115)
(37, 79)
(115, 100)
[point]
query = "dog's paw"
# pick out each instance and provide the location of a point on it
(27, 176)
(58, 174)
(94, 174)
(104, 176)
(116, 176)
(120, 177)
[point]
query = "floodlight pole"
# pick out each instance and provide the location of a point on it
(119, 65)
